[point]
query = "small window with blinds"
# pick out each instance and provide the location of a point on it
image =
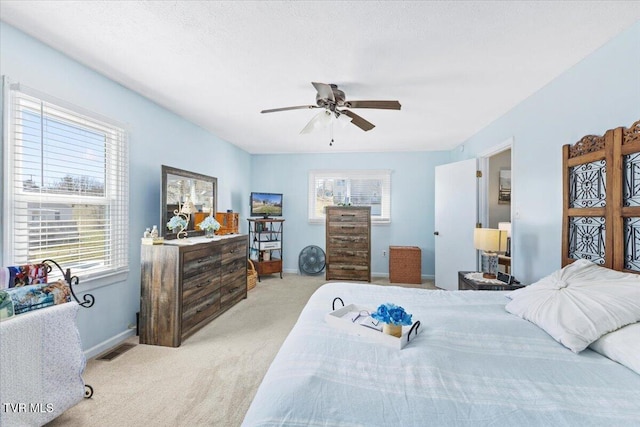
(350, 188)
(66, 193)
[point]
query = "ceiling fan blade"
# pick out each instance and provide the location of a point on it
(382, 105)
(358, 121)
(299, 107)
(324, 91)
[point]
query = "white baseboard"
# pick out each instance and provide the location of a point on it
(424, 276)
(386, 275)
(107, 344)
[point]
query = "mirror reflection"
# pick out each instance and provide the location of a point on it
(184, 191)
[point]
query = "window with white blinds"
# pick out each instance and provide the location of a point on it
(350, 187)
(66, 191)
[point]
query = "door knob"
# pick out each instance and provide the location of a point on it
(435, 233)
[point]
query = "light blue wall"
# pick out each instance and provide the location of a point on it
(157, 137)
(412, 195)
(599, 93)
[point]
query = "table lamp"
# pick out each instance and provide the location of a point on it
(490, 241)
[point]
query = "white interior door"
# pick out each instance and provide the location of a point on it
(456, 206)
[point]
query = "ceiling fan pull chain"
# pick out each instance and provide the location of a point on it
(331, 130)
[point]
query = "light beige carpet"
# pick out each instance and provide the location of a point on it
(211, 379)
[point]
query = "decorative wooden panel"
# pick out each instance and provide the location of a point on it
(601, 199)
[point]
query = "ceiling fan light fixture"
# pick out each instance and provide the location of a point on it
(319, 121)
(343, 119)
(328, 98)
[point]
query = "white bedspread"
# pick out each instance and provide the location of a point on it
(41, 363)
(473, 364)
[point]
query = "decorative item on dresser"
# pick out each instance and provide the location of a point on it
(265, 245)
(228, 223)
(185, 286)
(348, 242)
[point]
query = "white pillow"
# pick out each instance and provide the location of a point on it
(580, 303)
(622, 345)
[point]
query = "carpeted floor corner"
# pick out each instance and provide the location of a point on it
(211, 379)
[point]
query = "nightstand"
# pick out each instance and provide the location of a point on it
(469, 284)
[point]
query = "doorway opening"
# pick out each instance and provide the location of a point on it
(495, 198)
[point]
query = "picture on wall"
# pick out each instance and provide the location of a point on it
(504, 189)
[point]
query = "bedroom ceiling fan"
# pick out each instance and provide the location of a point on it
(335, 105)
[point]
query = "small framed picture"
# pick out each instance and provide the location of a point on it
(504, 187)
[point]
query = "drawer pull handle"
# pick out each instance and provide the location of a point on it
(233, 290)
(348, 215)
(200, 309)
(201, 260)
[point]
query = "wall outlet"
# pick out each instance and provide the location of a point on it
(384, 254)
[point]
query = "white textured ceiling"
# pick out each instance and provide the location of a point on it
(454, 66)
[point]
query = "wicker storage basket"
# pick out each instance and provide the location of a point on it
(405, 264)
(252, 276)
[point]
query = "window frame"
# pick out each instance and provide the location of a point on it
(114, 197)
(350, 174)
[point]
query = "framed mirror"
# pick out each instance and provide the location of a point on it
(180, 187)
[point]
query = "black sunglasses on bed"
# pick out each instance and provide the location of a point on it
(365, 313)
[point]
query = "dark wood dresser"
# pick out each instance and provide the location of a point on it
(348, 243)
(185, 287)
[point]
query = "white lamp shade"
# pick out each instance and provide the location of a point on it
(319, 121)
(490, 239)
(506, 226)
(344, 120)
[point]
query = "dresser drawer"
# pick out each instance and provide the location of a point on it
(233, 291)
(347, 229)
(348, 257)
(269, 267)
(234, 269)
(198, 286)
(347, 242)
(200, 261)
(199, 309)
(234, 250)
(348, 215)
(348, 272)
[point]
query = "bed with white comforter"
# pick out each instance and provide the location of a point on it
(472, 364)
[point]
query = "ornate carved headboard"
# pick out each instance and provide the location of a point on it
(601, 199)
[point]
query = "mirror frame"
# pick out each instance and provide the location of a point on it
(168, 170)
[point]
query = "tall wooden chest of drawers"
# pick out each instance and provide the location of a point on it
(348, 245)
(184, 287)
